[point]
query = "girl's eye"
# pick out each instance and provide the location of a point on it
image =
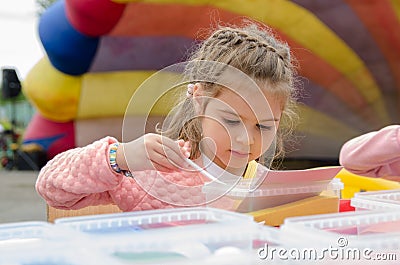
(264, 127)
(231, 122)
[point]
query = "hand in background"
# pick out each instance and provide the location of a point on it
(392, 178)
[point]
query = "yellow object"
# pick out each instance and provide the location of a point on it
(108, 94)
(275, 216)
(326, 128)
(134, 93)
(31, 147)
(54, 94)
(13, 146)
(355, 183)
(251, 170)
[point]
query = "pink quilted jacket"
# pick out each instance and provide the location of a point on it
(83, 176)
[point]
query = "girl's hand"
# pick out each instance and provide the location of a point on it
(153, 151)
(392, 178)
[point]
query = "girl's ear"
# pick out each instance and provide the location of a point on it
(198, 98)
(197, 90)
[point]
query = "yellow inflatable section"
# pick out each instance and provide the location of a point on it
(56, 95)
(61, 97)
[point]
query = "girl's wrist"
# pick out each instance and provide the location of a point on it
(113, 157)
(117, 159)
(120, 157)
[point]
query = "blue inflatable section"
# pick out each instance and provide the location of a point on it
(68, 50)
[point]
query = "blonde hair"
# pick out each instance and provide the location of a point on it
(255, 51)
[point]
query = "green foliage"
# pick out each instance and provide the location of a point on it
(20, 97)
(43, 5)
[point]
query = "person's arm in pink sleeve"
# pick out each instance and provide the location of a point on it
(79, 177)
(84, 177)
(375, 154)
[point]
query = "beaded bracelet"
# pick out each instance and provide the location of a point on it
(113, 161)
(113, 157)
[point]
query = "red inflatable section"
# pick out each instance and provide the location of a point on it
(53, 137)
(93, 17)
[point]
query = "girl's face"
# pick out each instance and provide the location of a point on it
(239, 128)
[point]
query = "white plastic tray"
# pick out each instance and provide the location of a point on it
(376, 200)
(168, 236)
(377, 230)
(28, 243)
(240, 199)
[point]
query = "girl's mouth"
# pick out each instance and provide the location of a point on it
(240, 154)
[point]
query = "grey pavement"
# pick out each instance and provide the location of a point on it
(19, 201)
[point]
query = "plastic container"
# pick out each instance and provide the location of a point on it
(27, 233)
(268, 195)
(264, 238)
(170, 236)
(24, 231)
(280, 194)
(375, 230)
(43, 243)
(45, 253)
(376, 200)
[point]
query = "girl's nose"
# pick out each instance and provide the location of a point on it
(245, 137)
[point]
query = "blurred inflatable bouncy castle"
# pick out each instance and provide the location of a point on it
(99, 52)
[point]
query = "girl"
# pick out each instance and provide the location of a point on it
(224, 124)
(374, 154)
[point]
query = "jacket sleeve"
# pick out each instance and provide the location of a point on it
(83, 177)
(375, 154)
(79, 177)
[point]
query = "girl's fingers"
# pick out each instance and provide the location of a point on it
(186, 153)
(181, 142)
(187, 144)
(161, 161)
(170, 157)
(159, 167)
(171, 150)
(184, 147)
(188, 148)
